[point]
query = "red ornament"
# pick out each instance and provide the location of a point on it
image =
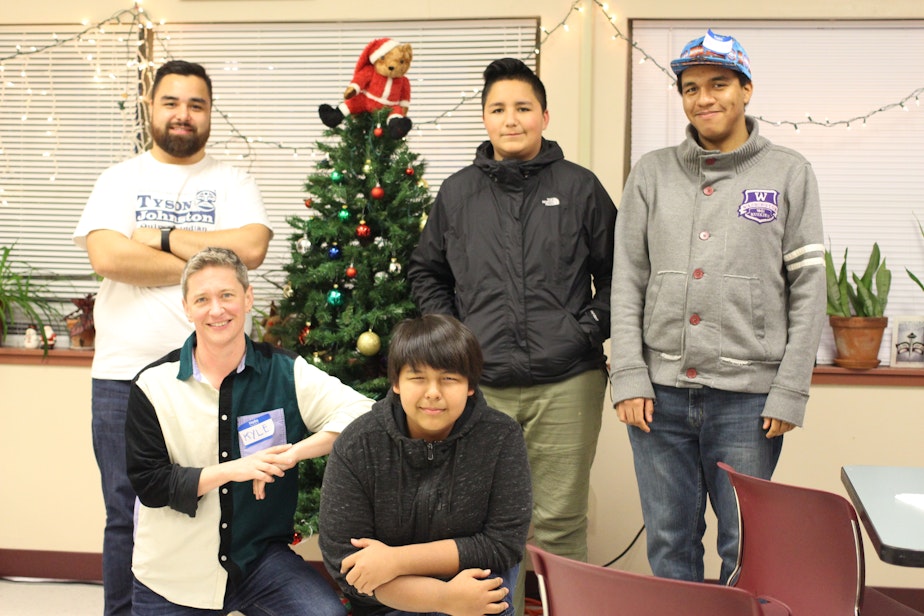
(307, 202)
(296, 538)
(351, 272)
(378, 192)
(409, 171)
(377, 131)
(363, 230)
(303, 336)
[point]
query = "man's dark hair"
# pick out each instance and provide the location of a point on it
(438, 341)
(512, 69)
(742, 79)
(181, 67)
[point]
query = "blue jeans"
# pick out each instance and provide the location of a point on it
(109, 405)
(281, 584)
(675, 465)
(510, 580)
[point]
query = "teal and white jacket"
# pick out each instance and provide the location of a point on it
(719, 275)
(187, 547)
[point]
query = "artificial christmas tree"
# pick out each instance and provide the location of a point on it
(346, 285)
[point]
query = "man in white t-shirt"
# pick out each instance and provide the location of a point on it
(145, 218)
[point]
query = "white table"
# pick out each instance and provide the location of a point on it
(895, 527)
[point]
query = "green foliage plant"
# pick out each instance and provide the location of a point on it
(913, 277)
(19, 291)
(868, 295)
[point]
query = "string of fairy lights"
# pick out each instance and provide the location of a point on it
(137, 22)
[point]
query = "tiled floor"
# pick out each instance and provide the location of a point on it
(32, 598)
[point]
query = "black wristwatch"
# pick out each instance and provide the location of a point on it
(165, 238)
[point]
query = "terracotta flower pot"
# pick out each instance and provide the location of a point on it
(82, 340)
(858, 340)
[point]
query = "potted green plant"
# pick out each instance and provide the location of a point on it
(856, 312)
(80, 325)
(20, 292)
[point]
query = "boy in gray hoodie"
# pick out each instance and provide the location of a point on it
(718, 305)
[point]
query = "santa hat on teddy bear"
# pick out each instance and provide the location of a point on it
(375, 50)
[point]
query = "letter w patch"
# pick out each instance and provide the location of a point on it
(759, 206)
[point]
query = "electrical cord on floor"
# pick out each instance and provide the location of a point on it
(632, 543)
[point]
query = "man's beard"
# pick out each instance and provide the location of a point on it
(179, 146)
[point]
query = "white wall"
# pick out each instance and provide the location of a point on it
(51, 495)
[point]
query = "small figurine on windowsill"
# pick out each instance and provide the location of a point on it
(32, 339)
(50, 337)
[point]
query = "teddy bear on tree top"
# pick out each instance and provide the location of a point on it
(378, 81)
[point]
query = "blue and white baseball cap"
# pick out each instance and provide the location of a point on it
(716, 50)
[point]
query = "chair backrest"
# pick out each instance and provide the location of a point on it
(799, 545)
(572, 588)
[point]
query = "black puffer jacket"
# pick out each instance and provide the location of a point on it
(522, 253)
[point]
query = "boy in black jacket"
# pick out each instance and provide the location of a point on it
(427, 498)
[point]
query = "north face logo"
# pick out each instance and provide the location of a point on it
(551, 201)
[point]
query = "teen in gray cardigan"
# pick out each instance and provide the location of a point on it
(718, 305)
(427, 500)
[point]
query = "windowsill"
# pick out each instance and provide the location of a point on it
(886, 376)
(54, 357)
(822, 375)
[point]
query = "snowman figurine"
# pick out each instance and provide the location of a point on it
(32, 339)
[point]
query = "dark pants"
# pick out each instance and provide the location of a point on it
(109, 404)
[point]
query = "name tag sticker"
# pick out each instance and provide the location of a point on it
(260, 431)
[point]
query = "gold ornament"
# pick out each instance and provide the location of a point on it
(369, 343)
(423, 221)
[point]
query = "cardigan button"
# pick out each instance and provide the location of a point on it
(708, 191)
(691, 373)
(694, 319)
(698, 273)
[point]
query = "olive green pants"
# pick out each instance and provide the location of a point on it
(561, 423)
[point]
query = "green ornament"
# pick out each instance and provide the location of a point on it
(335, 297)
(344, 214)
(336, 176)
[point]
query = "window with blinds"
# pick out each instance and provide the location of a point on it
(870, 173)
(68, 112)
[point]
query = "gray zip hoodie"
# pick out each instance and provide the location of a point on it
(719, 276)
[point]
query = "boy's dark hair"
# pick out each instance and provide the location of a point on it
(742, 79)
(512, 69)
(181, 67)
(436, 340)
